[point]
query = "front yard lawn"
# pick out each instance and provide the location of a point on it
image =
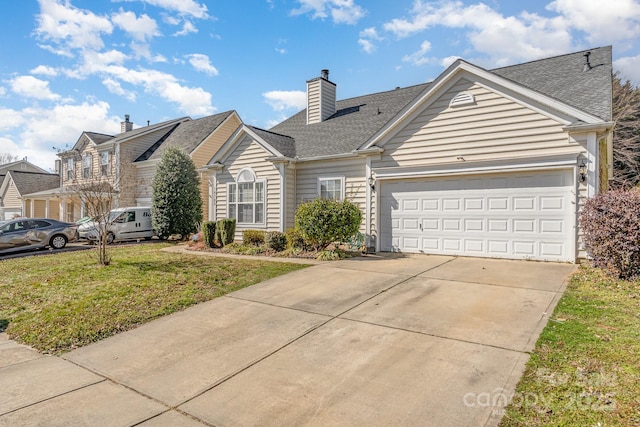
(56, 303)
(585, 370)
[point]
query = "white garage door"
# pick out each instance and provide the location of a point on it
(515, 215)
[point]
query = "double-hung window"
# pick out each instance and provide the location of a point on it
(331, 188)
(104, 163)
(70, 172)
(246, 198)
(86, 166)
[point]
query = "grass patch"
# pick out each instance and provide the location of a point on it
(585, 369)
(59, 302)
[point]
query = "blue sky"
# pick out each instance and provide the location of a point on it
(67, 66)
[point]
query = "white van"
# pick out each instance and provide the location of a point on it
(126, 224)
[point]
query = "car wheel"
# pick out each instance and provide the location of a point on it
(58, 241)
(110, 238)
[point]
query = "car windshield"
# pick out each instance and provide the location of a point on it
(2, 223)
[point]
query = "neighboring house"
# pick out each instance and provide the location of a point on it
(488, 163)
(20, 165)
(127, 161)
(18, 183)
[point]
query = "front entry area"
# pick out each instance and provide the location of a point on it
(507, 215)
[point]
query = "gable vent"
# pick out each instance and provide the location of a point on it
(463, 98)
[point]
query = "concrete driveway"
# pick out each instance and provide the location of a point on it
(388, 340)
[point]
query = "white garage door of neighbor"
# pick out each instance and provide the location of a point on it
(513, 215)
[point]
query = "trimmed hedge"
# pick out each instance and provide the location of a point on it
(209, 233)
(611, 225)
(253, 237)
(324, 221)
(225, 231)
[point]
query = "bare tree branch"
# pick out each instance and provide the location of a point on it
(626, 134)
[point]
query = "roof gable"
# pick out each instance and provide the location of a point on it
(31, 182)
(263, 138)
(187, 135)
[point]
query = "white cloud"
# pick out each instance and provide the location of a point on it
(44, 70)
(602, 23)
(70, 27)
(367, 38)
(10, 119)
(115, 87)
(281, 51)
(32, 87)
(281, 100)
(183, 7)
(140, 28)
(504, 39)
(2, 91)
(419, 57)
(187, 28)
(445, 62)
(201, 63)
(341, 11)
(43, 129)
(629, 68)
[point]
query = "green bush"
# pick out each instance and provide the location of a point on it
(327, 255)
(611, 225)
(294, 239)
(176, 204)
(209, 233)
(324, 221)
(225, 231)
(253, 237)
(242, 249)
(276, 240)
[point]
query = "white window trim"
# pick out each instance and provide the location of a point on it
(332, 178)
(236, 203)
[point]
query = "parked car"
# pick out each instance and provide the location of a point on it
(32, 233)
(123, 224)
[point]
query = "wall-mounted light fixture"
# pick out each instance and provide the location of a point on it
(582, 171)
(372, 182)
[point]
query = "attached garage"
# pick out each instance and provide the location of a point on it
(502, 215)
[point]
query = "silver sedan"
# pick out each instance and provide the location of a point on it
(32, 233)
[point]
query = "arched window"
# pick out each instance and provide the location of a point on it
(246, 198)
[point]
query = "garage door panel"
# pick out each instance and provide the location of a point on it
(514, 215)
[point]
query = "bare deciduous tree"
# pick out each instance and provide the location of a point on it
(626, 133)
(100, 197)
(8, 158)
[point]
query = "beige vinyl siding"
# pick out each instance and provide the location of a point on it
(144, 179)
(206, 150)
(39, 209)
(248, 154)
(492, 128)
(12, 198)
(290, 180)
(313, 102)
(353, 171)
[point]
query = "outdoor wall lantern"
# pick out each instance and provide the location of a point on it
(582, 171)
(372, 183)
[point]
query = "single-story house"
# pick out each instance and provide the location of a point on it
(487, 163)
(16, 184)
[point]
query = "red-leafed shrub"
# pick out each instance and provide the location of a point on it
(611, 225)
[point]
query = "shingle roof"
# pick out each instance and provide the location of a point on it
(284, 144)
(32, 182)
(188, 135)
(564, 79)
(358, 119)
(355, 121)
(99, 138)
(145, 129)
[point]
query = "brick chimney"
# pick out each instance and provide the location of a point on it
(126, 126)
(321, 98)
